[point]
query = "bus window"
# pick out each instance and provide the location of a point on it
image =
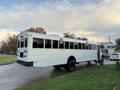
(76, 45)
(26, 42)
(22, 43)
(55, 44)
(61, 44)
(66, 45)
(18, 44)
(84, 46)
(47, 43)
(38, 43)
(89, 46)
(93, 47)
(71, 45)
(80, 46)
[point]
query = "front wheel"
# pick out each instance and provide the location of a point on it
(70, 66)
(101, 62)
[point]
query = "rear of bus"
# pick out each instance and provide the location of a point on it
(22, 49)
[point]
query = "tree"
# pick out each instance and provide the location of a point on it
(73, 36)
(117, 47)
(69, 35)
(37, 30)
(12, 44)
(4, 47)
(9, 46)
(83, 38)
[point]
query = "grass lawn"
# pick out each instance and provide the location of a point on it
(5, 60)
(93, 78)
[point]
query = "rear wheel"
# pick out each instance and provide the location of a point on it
(70, 66)
(101, 63)
(95, 61)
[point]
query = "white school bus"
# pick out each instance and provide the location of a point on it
(41, 50)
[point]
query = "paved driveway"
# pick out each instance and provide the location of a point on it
(14, 75)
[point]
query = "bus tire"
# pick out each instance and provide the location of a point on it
(70, 66)
(95, 61)
(101, 62)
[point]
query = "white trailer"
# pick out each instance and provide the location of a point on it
(41, 50)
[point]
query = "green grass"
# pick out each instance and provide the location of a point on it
(94, 78)
(6, 60)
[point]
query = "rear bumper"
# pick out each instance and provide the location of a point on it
(25, 63)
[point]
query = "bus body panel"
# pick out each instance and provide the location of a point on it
(55, 57)
(47, 57)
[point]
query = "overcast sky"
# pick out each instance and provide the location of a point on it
(94, 19)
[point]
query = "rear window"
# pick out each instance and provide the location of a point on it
(22, 43)
(26, 42)
(38, 43)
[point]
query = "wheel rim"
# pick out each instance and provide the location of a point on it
(72, 65)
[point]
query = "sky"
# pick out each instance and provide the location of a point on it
(94, 19)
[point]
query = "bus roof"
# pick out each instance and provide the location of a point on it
(51, 36)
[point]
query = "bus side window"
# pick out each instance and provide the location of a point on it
(47, 43)
(84, 46)
(38, 43)
(61, 45)
(89, 46)
(26, 42)
(76, 45)
(93, 47)
(66, 45)
(55, 44)
(80, 46)
(18, 44)
(71, 45)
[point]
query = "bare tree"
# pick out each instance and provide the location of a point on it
(69, 35)
(9, 46)
(37, 30)
(4, 47)
(73, 36)
(12, 44)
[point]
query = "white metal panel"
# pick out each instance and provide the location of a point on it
(48, 57)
